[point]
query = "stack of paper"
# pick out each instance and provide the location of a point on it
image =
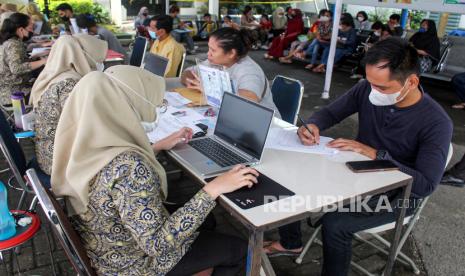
(287, 139)
(175, 99)
(40, 51)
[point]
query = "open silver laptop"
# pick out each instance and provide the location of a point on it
(155, 64)
(239, 138)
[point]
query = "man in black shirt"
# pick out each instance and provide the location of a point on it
(393, 25)
(399, 122)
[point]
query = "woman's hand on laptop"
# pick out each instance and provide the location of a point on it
(184, 135)
(238, 177)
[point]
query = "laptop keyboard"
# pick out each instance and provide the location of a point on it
(217, 152)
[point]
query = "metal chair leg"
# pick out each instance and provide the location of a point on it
(307, 246)
(52, 260)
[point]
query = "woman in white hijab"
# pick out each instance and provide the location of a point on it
(70, 59)
(141, 17)
(105, 166)
(279, 21)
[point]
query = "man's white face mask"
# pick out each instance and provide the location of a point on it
(147, 126)
(381, 99)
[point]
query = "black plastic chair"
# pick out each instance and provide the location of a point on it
(16, 159)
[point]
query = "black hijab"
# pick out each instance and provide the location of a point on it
(428, 41)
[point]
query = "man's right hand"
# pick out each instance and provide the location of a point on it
(307, 138)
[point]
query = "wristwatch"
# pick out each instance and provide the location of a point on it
(381, 154)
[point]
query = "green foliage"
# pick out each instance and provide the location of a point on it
(415, 19)
(379, 15)
(79, 7)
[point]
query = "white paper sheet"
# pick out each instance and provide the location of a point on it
(175, 99)
(169, 123)
(40, 51)
(287, 139)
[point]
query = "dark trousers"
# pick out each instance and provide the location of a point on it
(458, 81)
(227, 254)
(338, 229)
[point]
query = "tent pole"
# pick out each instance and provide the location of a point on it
(332, 49)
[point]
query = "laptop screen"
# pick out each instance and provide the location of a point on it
(138, 51)
(244, 124)
(155, 64)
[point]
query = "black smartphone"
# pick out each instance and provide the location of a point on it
(371, 166)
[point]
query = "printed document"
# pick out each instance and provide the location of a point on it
(287, 139)
(214, 83)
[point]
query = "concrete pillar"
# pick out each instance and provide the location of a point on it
(442, 24)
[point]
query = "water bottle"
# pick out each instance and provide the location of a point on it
(19, 108)
(7, 222)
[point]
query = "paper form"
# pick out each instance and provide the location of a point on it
(287, 139)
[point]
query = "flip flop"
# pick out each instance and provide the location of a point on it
(284, 60)
(309, 67)
(273, 252)
(459, 106)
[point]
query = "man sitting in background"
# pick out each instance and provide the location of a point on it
(181, 32)
(65, 12)
(399, 122)
(208, 27)
(165, 45)
(85, 21)
(393, 25)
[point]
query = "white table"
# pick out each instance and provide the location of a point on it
(309, 176)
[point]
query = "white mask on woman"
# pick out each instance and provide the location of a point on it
(324, 19)
(361, 18)
(147, 126)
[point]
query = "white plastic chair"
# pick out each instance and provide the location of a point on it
(374, 233)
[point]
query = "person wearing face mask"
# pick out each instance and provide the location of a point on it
(15, 66)
(362, 23)
(319, 32)
(279, 22)
(86, 21)
(70, 59)
(166, 46)
(346, 42)
(294, 28)
(105, 167)
(65, 12)
(393, 25)
(397, 121)
(152, 30)
(141, 17)
(427, 43)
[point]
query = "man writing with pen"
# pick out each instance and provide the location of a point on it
(399, 122)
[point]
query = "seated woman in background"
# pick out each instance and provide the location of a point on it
(295, 27)
(71, 58)
(361, 21)
(346, 43)
(41, 25)
(15, 67)
(265, 29)
(427, 43)
(314, 35)
(228, 23)
(249, 22)
(229, 48)
(279, 21)
(322, 39)
(141, 17)
(104, 165)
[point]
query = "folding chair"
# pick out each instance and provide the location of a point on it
(16, 159)
(374, 233)
(287, 96)
(69, 239)
(181, 65)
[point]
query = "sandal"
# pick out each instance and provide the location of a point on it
(459, 106)
(319, 69)
(285, 60)
(272, 251)
(309, 67)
